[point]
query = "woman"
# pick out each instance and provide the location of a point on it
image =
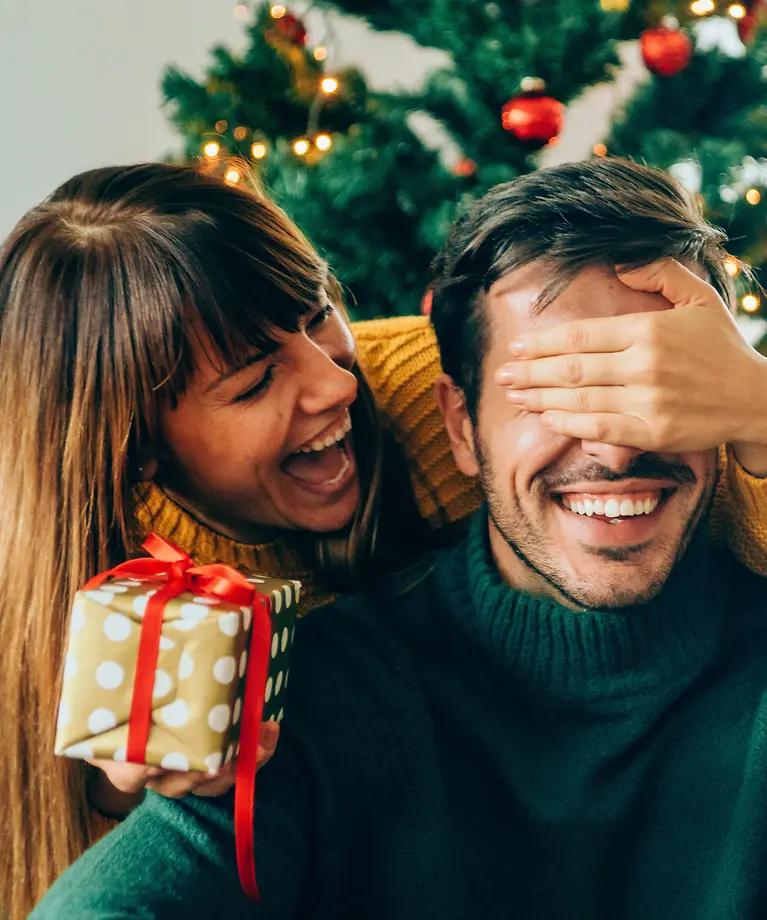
(173, 357)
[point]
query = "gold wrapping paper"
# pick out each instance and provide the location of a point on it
(199, 681)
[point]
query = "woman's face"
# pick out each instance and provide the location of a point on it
(267, 445)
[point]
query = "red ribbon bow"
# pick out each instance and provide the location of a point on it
(173, 569)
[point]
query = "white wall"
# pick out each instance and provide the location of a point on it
(79, 82)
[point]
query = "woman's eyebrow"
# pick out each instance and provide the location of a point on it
(251, 360)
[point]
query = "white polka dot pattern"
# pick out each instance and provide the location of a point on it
(193, 612)
(243, 663)
(162, 683)
(174, 761)
(139, 604)
(213, 762)
(82, 750)
(275, 644)
(229, 624)
(117, 627)
(175, 714)
(101, 720)
(218, 717)
(70, 666)
(224, 670)
(109, 675)
(185, 666)
(285, 638)
(236, 712)
(247, 616)
(77, 621)
(276, 601)
(278, 683)
(268, 690)
(120, 754)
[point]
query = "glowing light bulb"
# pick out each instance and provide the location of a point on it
(277, 11)
(599, 150)
(329, 85)
(702, 7)
(732, 266)
(232, 176)
(320, 53)
(240, 132)
(753, 196)
(736, 11)
(241, 11)
(323, 141)
(221, 126)
(300, 147)
(750, 303)
(258, 151)
(211, 149)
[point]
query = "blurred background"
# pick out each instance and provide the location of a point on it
(373, 122)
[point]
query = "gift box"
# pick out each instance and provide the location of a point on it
(198, 679)
(177, 666)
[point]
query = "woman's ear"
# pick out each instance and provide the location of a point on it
(148, 469)
(460, 430)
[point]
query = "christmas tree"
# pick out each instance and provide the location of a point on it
(349, 164)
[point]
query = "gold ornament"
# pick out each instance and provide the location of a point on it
(615, 6)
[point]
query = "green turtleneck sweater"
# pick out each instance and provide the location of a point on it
(462, 751)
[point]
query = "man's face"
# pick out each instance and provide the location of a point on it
(592, 524)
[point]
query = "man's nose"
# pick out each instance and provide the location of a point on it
(618, 459)
(326, 384)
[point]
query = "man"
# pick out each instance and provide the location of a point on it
(563, 716)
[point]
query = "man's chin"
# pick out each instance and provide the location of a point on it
(613, 578)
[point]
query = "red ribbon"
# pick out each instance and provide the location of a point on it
(173, 569)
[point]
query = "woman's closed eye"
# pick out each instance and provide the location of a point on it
(320, 317)
(257, 389)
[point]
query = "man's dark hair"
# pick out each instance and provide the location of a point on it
(599, 212)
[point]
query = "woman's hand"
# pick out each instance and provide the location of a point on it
(119, 787)
(667, 380)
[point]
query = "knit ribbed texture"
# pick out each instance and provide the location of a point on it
(401, 362)
(555, 651)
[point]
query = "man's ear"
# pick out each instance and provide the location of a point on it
(458, 425)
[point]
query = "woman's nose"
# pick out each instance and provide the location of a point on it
(327, 384)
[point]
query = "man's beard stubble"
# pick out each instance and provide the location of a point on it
(518, 531)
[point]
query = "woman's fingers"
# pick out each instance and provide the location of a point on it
(609, 428)
(675, 282)
(583, 400)
(599, 334)
(586, 370)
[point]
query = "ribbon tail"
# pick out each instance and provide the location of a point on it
(247, 759)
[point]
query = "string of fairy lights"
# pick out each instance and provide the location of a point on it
(317, 142)
(313, 139)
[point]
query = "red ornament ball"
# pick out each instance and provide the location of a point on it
(666, 52)
(291, 27)
(533, 118)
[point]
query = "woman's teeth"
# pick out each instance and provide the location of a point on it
(329, 440)
(612, 507)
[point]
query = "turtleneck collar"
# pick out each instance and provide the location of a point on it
(558, 652)
(290, 556)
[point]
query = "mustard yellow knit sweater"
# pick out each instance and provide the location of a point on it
(401, 362)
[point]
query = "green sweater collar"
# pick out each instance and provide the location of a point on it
(571, 654)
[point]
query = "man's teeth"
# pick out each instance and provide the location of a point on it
(329, 440)
(613, 507)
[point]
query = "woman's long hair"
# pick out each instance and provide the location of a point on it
(101, 287)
